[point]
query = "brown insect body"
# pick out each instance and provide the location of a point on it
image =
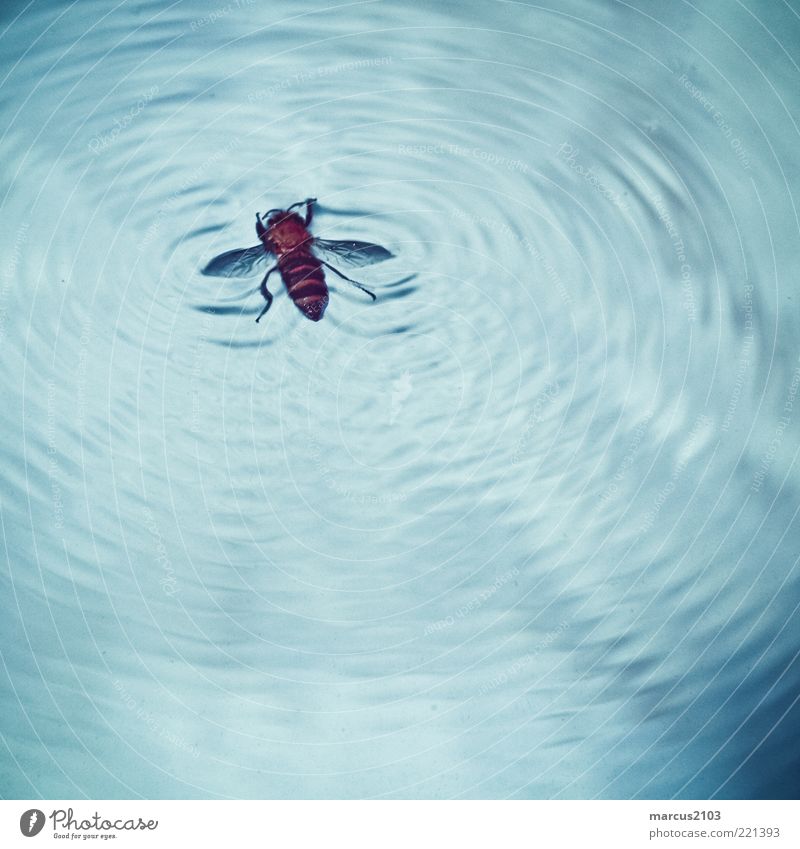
(286, 236)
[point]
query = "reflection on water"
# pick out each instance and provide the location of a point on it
(524, 526)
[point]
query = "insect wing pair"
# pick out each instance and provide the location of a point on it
(246, 262)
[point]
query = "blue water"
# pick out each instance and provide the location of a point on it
(527, 526)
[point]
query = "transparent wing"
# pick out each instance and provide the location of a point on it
(242, 262)
(350, 252)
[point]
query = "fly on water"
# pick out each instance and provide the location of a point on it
(297, 253)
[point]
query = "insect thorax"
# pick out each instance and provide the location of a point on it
(288, 234)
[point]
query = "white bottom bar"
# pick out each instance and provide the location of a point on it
(400, 825)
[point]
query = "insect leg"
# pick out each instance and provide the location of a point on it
(309, 204)
(266, 306)
(266, 293)
(344, 277)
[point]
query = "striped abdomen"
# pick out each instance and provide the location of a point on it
(305, 282)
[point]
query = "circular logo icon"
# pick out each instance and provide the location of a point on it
(31, 822)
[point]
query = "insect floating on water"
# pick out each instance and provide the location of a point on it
(286, 236)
